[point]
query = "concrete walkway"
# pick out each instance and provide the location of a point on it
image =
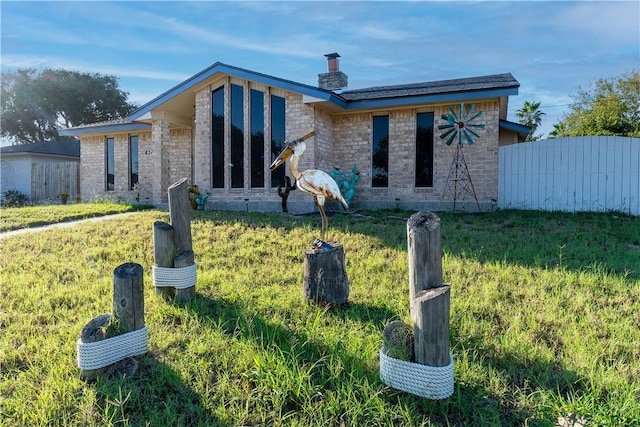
(63, 224)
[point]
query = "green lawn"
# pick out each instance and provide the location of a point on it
(39, 215)
(544, 323)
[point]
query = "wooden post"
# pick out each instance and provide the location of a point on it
(96, 330)
(164, 251)
(128, 297)
(429, 299)
(128, 314)
(325, 276)
(180, 214)
(185, 259)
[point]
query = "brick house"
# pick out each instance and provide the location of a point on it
(222, 127)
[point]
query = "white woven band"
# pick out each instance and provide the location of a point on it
(179, 278)
(432, 382)
(98, 354)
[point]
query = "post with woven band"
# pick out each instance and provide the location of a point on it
(427, 368)
(174, 272)
(109, 341)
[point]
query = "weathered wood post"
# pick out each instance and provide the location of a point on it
(325, 275)
(174, 270)
(109, 340)
(164, 251)
(429, 298)
(422, 364)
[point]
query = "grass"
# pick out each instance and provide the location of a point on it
(35, 216)
(544, 315)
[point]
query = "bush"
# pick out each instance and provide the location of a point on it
(14, 199)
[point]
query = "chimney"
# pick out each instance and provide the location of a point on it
(334, 79)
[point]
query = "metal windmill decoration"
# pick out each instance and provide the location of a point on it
(460, 126)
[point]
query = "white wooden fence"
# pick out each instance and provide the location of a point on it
(591, 173)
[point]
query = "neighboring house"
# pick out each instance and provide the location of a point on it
(222, 128)
(41, 170)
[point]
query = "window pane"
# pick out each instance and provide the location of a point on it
(380, 152)
(217, 138)
(424, 150)
(257, 139)
(237, 136)
(277, 137)
(110, 166)
(133, 161)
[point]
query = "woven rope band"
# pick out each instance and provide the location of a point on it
(179, 278)
(432, 382)
(98, 354)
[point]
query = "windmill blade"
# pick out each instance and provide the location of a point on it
(447, 133)
(472, 132)
(478, 114)
(447, 126)
(467, 137)
(453, 113)
(471, 125)
(470, 110)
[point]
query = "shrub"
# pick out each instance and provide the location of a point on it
(14, 198)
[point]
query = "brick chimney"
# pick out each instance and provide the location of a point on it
(334, 79)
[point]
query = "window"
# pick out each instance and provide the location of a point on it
(257, 139)
(380, 152)
(237, 136)
(110, 164)
(424, 150)
(133, 161)
(277, 137)
(217, 138)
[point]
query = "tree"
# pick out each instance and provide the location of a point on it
(531, 116)
(609, 107)
(34, 106)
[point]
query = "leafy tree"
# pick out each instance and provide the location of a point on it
(531, 116)
(610, 107)
(34, 106)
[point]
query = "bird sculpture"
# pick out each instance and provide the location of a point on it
(313, 181)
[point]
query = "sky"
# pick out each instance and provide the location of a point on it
(552, 48)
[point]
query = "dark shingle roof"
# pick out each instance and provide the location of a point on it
(496, 81)
(55, 148)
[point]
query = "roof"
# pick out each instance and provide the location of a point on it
(515, 127)
(53, 148)
(179, 99)
(497, 81)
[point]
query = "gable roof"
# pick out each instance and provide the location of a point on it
(180, 97)
(52, 148)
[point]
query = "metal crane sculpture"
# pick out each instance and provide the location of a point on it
(313, 181)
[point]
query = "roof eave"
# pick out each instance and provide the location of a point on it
(431, 98)
(106, 128)
(515, 127)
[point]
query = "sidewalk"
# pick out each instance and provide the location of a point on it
(62, 224)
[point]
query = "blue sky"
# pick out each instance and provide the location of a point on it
(551, 48)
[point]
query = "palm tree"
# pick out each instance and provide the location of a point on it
(530, 115)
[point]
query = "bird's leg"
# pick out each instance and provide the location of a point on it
(323, 218)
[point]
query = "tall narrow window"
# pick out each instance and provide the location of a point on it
(277, 137)
(257, 139)
(424, 150)
(110, 167)
(133, 161)
(380, 152)
(217, 138)
(237, 136)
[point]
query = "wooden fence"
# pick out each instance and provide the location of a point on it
(591, 173)
(50, 179)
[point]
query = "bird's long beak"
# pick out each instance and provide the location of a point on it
(286, 153)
